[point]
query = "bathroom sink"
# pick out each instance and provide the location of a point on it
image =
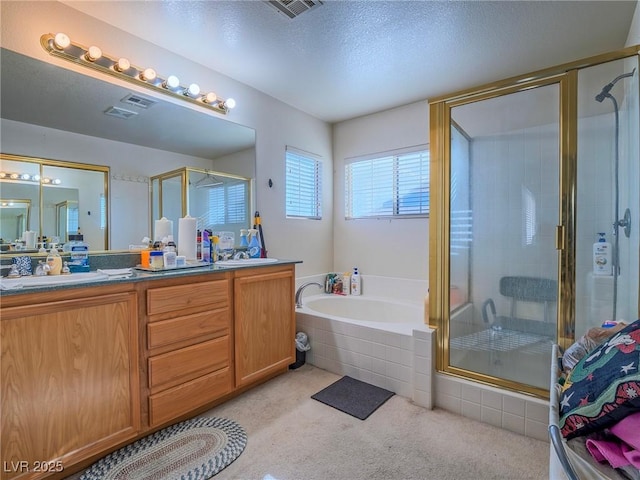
(246, 262)
(51, 280)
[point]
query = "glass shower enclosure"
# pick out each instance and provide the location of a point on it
(534, 169)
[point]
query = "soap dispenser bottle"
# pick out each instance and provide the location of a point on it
(254, 244)
(54, 260)
(356, 283)
(602, 256)
(243, 238)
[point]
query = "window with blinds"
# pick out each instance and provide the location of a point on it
(103, 211)
(303, 185)
(388, 185)
(227, 204)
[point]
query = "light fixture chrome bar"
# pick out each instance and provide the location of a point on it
(60, 46)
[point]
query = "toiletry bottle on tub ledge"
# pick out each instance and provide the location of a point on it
(356, 283)
(602, 256)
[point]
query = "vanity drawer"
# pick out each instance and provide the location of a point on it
(179, 366)
(182, 399)
(180, 297)
(175, 330)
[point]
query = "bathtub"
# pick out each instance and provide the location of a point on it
(379, 337)
(372, 312)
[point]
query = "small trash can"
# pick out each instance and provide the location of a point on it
(302, 346)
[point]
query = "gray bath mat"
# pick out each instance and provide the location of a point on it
(354, 397)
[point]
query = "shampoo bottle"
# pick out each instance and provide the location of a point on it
(602, 256)
(54, 260)
(356, 283)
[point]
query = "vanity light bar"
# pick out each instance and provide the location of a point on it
(61, 46)
(27, 177)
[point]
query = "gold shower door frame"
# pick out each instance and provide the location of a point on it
(440, 206)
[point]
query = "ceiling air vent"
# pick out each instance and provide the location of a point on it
(293, 8)
(120, 113)
(138, 101)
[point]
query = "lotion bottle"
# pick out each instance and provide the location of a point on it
(54, 260)
(602, 256)
(346, 283)
(356, 283)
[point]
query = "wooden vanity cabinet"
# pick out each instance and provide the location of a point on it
(88, 370)
(189, 346)
(70, 385)
(264, 323)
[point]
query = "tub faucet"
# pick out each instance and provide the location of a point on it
(300, 289)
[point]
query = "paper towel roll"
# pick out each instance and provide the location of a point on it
(30, 238)
(187, 237)
(163, 229)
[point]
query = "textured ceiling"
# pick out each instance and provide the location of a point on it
(349, 58)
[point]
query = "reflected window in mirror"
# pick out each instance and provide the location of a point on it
(220, 202)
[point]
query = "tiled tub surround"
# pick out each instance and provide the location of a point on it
(399, 355)
(383, 354)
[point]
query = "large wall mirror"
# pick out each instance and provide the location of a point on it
(72, 117)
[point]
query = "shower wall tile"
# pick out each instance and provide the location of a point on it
(514, 406)
(472, 393)
(492, 399)
(509, 410)
(491, 416)
(513, 423)
(471, 410)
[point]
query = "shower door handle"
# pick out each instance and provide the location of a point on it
(560, 237)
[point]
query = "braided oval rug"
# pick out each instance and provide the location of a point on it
(196, 449)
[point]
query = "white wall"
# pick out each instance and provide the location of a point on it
(634, 31)
(276, 123)
(390, 248)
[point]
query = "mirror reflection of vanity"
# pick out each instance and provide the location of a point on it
(59, 198)
(14, 219)
(63, 118)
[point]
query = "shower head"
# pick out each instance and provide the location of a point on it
(607, 88)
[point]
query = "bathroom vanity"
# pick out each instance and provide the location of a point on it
(89, 368)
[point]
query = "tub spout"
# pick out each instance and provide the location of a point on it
(299, 292)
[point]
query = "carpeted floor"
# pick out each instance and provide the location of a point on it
(293, 437)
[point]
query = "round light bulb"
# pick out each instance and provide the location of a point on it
(3, 175)
(25, 176)
(93, 54)
(209, 97)
(171, 82)
(46, 180)
(122, 65)
(14, 176)
(36, 178)
(230, 103)
(193, 90)
(61, 41)
(57, 181)
(148, 75)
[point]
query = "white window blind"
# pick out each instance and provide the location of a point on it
(103, 211)
(391, 185)
(227, 204)
(303, 185)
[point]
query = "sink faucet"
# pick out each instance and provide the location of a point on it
(300, 289)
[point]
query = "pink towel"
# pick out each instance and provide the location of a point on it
(622, 448)
(628, 430)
